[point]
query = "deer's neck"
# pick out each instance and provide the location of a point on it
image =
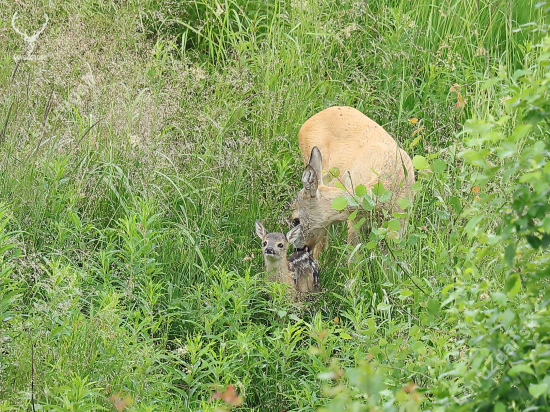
(322, 210)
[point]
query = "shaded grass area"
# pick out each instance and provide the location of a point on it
(139, 147)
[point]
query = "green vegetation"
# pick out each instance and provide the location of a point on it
(141, 139)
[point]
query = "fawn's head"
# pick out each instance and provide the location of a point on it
(275, 245)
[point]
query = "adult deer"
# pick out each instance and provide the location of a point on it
(364, 152)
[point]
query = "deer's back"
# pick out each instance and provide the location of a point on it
(353, 142)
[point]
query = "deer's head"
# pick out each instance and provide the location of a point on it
(312, 206)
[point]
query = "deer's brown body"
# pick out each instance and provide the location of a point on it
(363, 151)
(300, 271)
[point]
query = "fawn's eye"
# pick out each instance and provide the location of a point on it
(295, 222)
(280, 245)
(265, 243)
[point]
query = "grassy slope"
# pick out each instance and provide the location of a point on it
(134, 253)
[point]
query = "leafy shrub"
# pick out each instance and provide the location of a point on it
(502, 349)
(507, 336)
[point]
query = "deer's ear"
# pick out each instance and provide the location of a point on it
(310, 181)
(316, 161)
(261, 231)
(294, 234)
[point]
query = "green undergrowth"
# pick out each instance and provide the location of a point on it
(141, 139)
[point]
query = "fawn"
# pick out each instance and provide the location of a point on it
(300, 270)
(345, 138)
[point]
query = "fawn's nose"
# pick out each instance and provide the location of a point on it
(269, 251)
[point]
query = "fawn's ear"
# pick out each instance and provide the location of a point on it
(261, 231)
(294, 234)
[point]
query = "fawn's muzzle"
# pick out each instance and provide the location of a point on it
(269, 251)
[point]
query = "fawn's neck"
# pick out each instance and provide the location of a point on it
(278, 270)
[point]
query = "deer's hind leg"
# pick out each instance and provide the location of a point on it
(354, 235)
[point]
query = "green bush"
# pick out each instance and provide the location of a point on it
(501, 356)
(507, 336)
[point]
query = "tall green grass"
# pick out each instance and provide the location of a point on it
(131, 194)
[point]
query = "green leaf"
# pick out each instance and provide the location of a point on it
(537, 390)
(281, 313)
(439, 166)
(382, 342)
(16, 252)
(500, 407)
(374, 350)
(405, 292)
(294, 317)
(353, 215)
(339, 203)
(499, 298)
(415, 330)
(378, 189)
(371, 323)
(368, 203)
(416, 140)
(352, 202)
(490, 83)
(520, 131)
(370, 332)
(533, 241)
(360, 223)
(371, 245)
(520, 73)
(420, 162)
(383, 306)
(327, 179)
(384, 197)
(334, 172)
(509, 254)
(345, 335)
(470, 226)
(512, 285)
(325, 376)
(508, 318)
(413, 239)
(361, 190)
(433, 305)
(520, 368)
(394, 224)
(403, 203)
